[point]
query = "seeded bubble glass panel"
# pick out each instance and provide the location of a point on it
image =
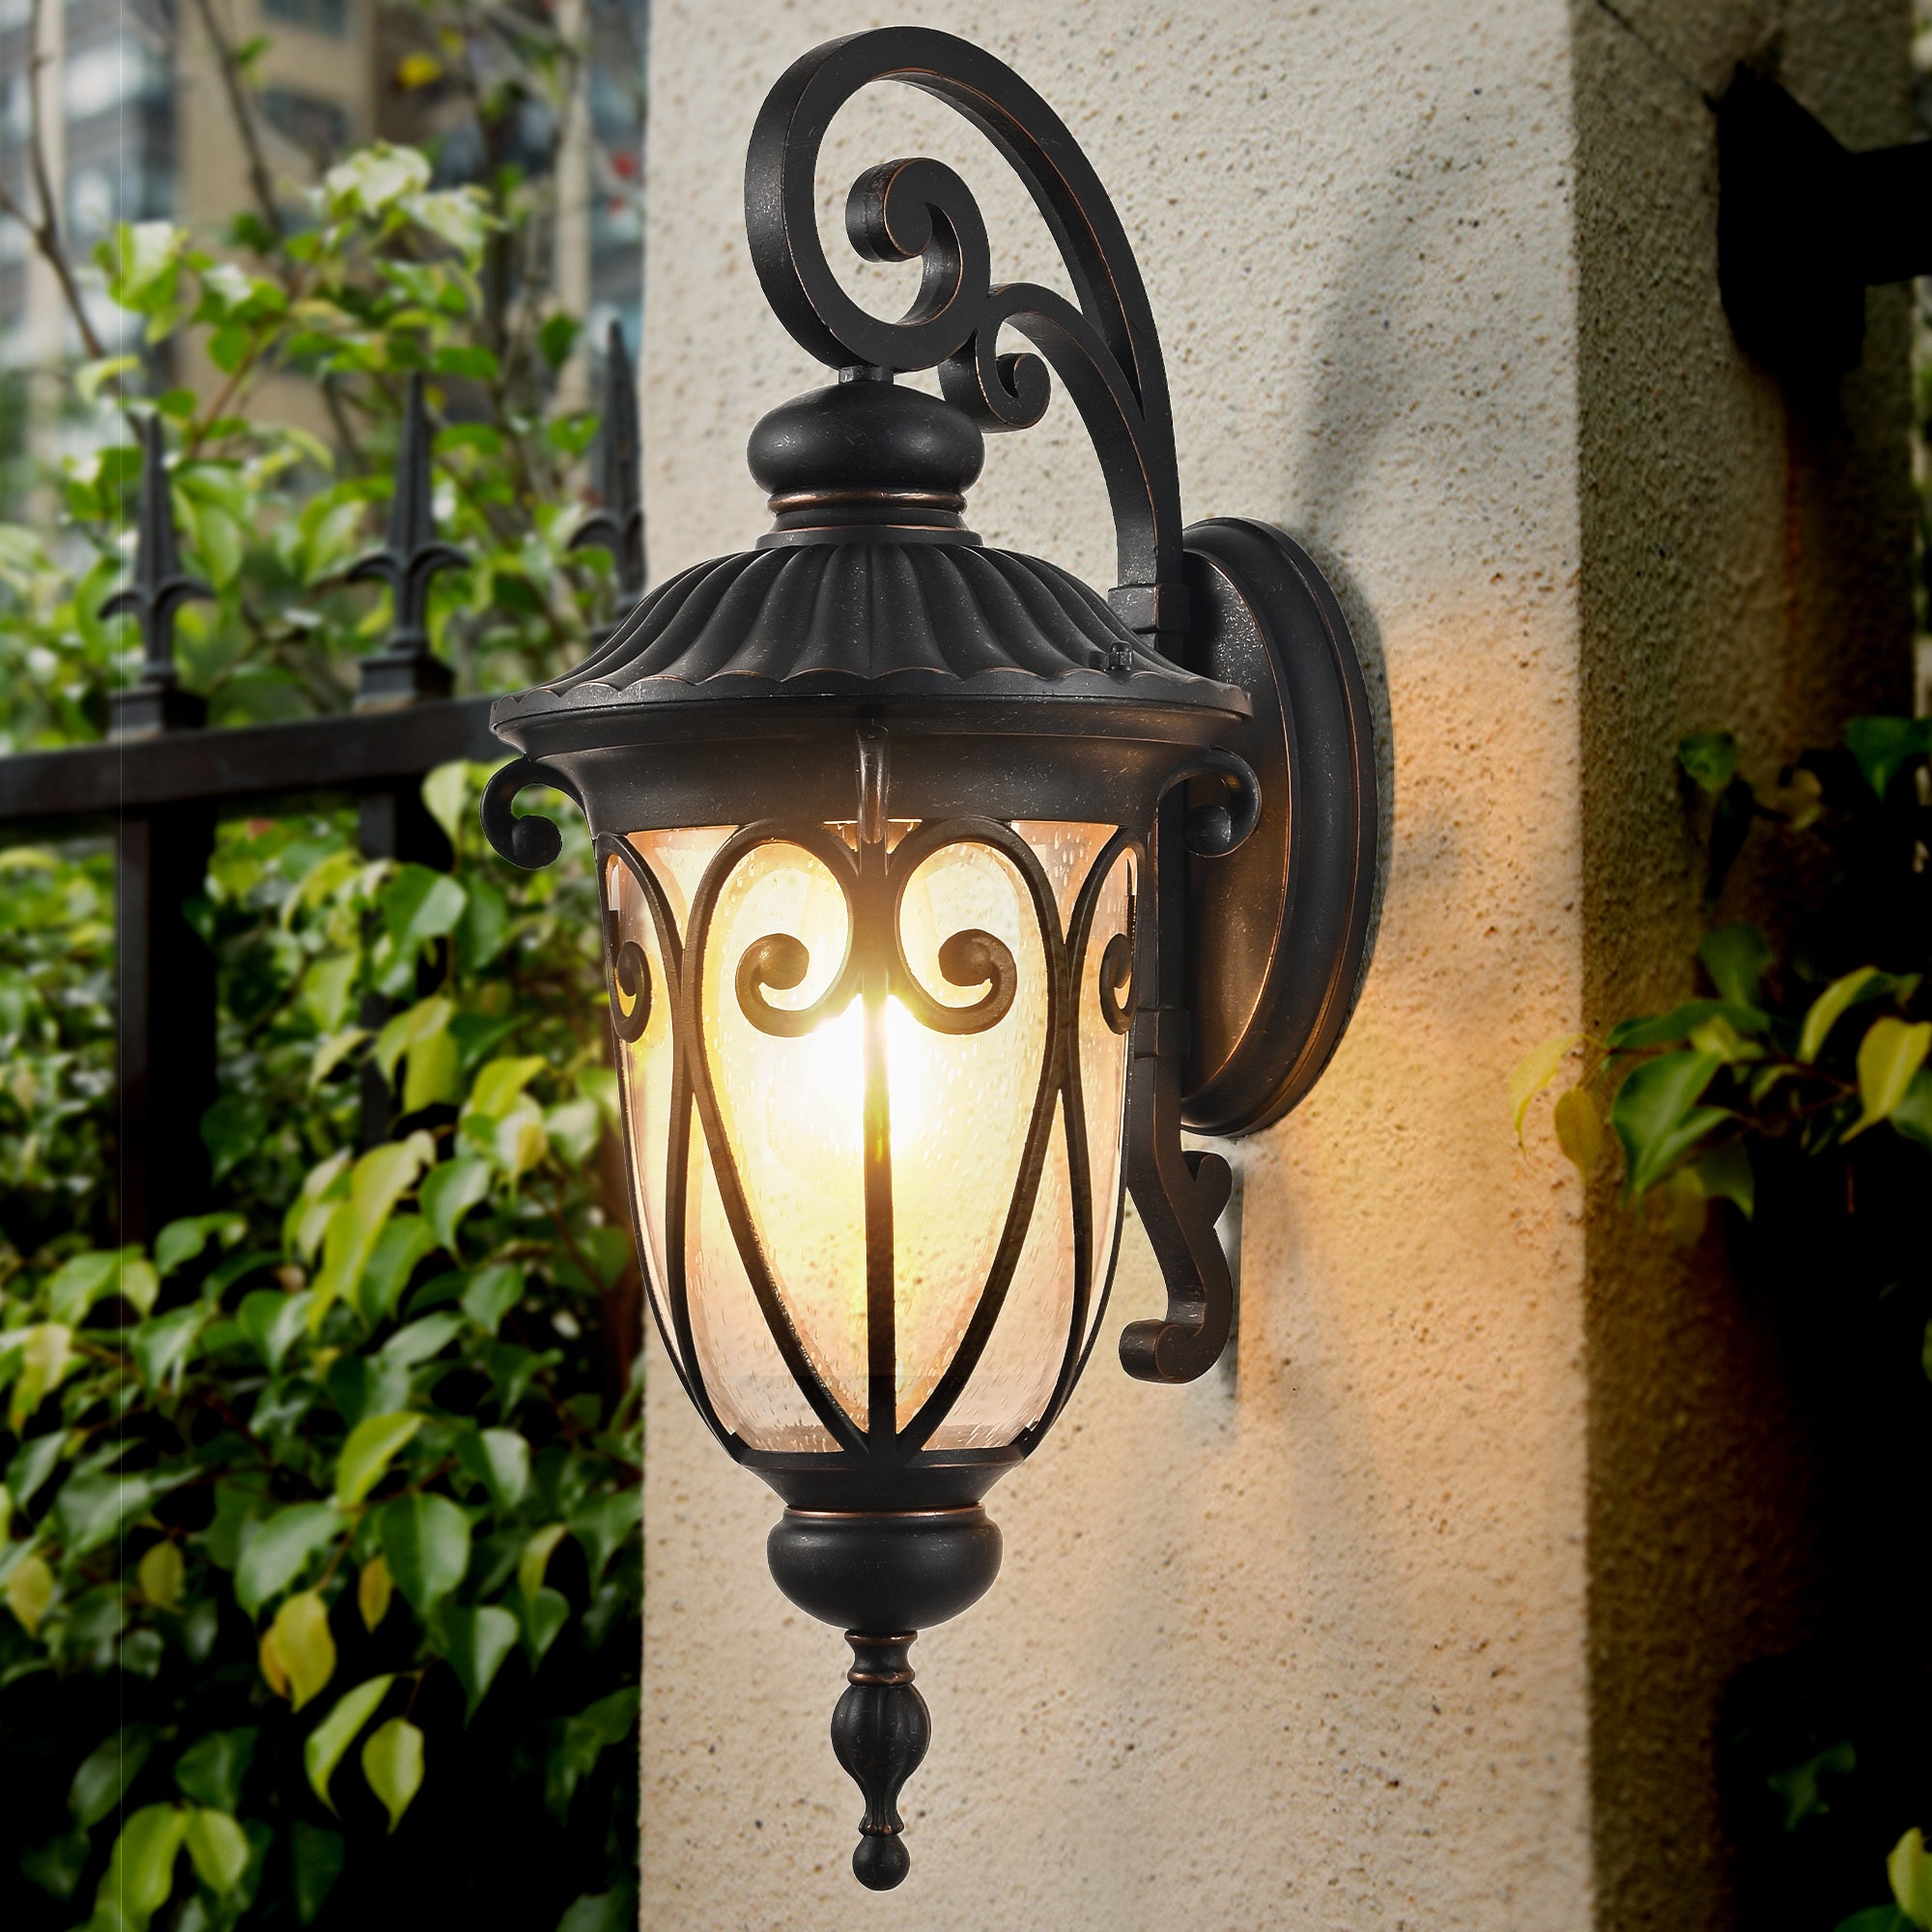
(643, 1078)
(1014, 1380)
(793, 1109)
(792, 1114)
(1103, 1078)
(960, 1108)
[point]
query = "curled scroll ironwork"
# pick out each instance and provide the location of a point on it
(780, 961)
(1103, 345)
(630, 982)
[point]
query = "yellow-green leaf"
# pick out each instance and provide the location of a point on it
(1534, 1072)
(1831, 1006)
(535, 1559)
(1910, 1870)
(373, 1588)
(376, 1183)
(160, 1575)
(1685, 1205)
(304, 1646)
(1889, 1055)
(30, 1591)
(367, 1453)
(392, 1761)
(331, 1738)
(269, 1656)
(1580, 1132)
(141, 1869)
(219, 1850)
(46, 1352)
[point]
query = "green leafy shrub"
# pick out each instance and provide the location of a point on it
(1793, 1087)
(319, 1537)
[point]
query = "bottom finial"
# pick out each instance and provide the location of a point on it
(880, 1731)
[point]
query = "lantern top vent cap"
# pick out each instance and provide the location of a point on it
(866, 460)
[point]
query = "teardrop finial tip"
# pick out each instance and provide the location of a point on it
(880, 1861)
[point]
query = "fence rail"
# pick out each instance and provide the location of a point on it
(161, 783)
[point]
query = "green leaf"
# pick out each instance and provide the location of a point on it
(92, 1510)
(404, 1241)
(446, 795)
(1838, 999)
(421, 1340)
(477, 1642)
(367, 1454)
(1736, 957)
(376, 1182)
(160, 1574)
(419, 905)
(160, 1347)
(273, 1552)
(500, 1459)
(499, 1084)
(75, 1286)
(218, 1849)
(1882, 746)
(58, 1866)
(326, 1743)
(1890, 1057)
(34, 1464)
(492, 1294)
(46, 1353)
(426, 1539)
(1802, 1786)
(271, 1321)
(415, 1024)
(1910, 1870)
(1876, 1919)
(1680, 1023)
(374, 1587)
(467, 360)
(213, 1769)
(535, 1559)
(1913, 1115)
(1656, 1118)
(392, 1761)
(605, 1525)
(555, 339)
(1710, 758)
(141, 1868)
(1725, 1174)
(106, 1771)
(450, 1192)
(317, 1855)
(543, 1614)
(484, 928)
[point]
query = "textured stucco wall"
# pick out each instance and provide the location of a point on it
(1744, 566)
(1321, 1641)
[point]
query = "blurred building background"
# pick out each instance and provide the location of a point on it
(139, 123)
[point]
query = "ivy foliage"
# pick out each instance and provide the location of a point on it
(319, 1516)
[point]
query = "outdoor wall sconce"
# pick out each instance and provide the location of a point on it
(1805, 226)
(941, 894)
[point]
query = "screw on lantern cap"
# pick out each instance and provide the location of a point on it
(866, 459)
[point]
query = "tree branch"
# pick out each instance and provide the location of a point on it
(45, 232)
(243, 109)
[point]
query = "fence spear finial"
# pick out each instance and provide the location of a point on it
(617, 523)
(406, 669)
(155, 701)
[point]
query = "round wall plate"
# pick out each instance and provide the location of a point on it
(1278, 930)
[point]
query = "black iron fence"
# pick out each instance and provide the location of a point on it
(161, 782)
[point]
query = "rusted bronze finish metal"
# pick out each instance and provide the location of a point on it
(880, 1731)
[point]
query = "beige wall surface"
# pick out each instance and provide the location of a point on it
(1315, 1642)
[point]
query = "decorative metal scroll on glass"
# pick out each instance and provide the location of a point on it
(873, 1075)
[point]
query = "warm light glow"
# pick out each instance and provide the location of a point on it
(792, 1115)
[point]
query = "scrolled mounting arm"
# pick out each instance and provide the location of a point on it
(1104, 348)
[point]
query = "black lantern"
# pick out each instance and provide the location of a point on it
(941, 894)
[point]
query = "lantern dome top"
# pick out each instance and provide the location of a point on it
(869, 622)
